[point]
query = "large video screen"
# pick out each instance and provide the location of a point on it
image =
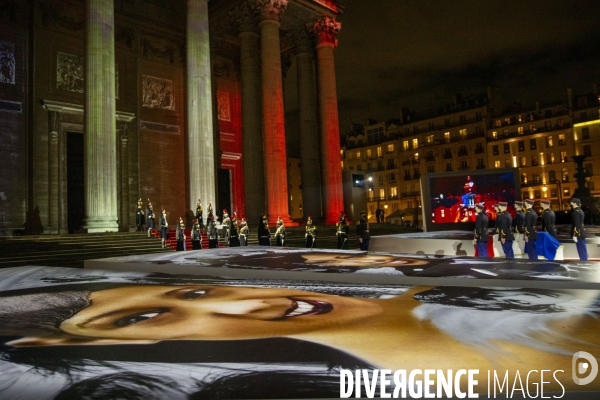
(450, 198)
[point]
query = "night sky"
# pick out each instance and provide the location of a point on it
(418, 53)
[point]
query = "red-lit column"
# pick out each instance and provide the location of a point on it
(326, 30)
(276, 183)
(253, 157)
(309, 127)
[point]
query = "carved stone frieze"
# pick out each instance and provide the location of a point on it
(157, 93)
(7, 62)
(158, 49)
(270, 9)
(244, 17)
(326, 30)
(223, 105)
(70, 18)
(69, 72)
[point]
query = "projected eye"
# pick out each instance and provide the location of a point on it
(140, 317)
(195, 294)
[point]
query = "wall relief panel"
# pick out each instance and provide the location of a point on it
(223, 105)
(69, 72)
(7, 62)
(157, 93)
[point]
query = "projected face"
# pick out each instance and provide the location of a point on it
(369, 260)
(211, 313)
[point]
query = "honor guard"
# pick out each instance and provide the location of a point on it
(577, 228)
(264, 235)
(199, 214)
(280, 233)
(362, 230)
(519, 221)
(209, 215)
(342, 233)
(311, 233)
(225, 225)
(150, 217)
(234, 235)
(481, 231)
(504, 230)
(213, 234)
(548, 219)
(530, 232)
(244, 232)
(139, 215)
(164, 228)
(180, 235)
(196, 236)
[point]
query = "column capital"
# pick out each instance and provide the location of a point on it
(270, 9)
(326, 29)
(244, 17)
(303, 40)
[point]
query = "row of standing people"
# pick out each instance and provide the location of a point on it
(524, 223)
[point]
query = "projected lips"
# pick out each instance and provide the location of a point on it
(307, 307)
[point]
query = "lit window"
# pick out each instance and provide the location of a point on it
(405, 145)
(390, 148)
(497, 164)
(463, 133)
(382, 193)
(495, 134)
(520, 130)
(379, 153)
(358, 155)
(368, 153)
(415, 143)
(447, 136)
(430, 139)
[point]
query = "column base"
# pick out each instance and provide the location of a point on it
(101, 224)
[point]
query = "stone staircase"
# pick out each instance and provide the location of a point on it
(72, 250)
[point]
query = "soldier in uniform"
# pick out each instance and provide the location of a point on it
(150, 217)
(311, 233)
(244, 232)
(343, 231)
(530, 232)
(196, 236)
(362, 230)
(213, 234)
(519, 221)
(234, 236)
(548, 219)
(139, 215)
(199, 214)
(180, 235)
(164, 228)
(280, 233)
(209, 215)
(504, 230)
(264, 235)
(481, 231)
(225, 224)
(577, 228)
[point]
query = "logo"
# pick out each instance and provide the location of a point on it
(580, 367)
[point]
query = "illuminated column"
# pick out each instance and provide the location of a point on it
(273, 123)
(99, 118)
(253, 157)
(201, 161)
(309, 131)
(326, 30)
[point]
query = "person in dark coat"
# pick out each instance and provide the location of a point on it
(280, 233)
(209, 215)
(481, 231)
(264, 235)
(181, 235)
(311, 233)
(164, 228)
(504, 230)
(519, 221)
(244, 232)
(199, 212)
(196, 236)
(139, 215)
(234, 235)
(342, 233)
(577, 229)
(213, 234)
(362, 230)
(530, 232)
(548, 219)
(150, 217)
(225, 225)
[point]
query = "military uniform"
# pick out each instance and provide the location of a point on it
(504, 230)
(548, 221)
(481, 232)
(180, 235)
(530, 232)
(199, 212)
(264, 235)
(150, 217)
(519, 221)
(196, 236)
(280, 233)
(342, 233)
(225, 224)
(164, 228)
(234, 235)
(244, 232)
(362, 230)
(311, 234)
(139, 215)
(213, 235)
(578, 229)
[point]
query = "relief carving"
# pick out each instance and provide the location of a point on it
(162, 51)
(326, 30)
(51, 13)
(7, 62)
(270, 9)
(223, 106)
(157, 93)
(69, 72)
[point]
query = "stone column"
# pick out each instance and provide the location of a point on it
(253, 158)
(276, 181)
(326, 30)
(53, 167)
(201, 158)
(99, 118)
(126, 208)
(309, 131)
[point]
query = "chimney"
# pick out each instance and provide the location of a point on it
(404, 115)
(457, 99)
